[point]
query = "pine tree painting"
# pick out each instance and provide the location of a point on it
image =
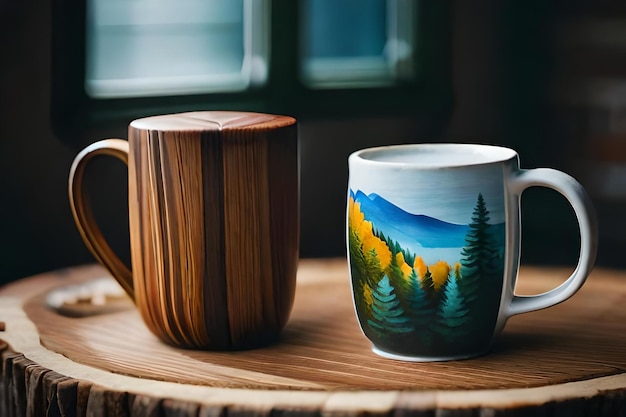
(421, 309)
(453, 313)
(481, 271)
(477, 262)
(387, 316)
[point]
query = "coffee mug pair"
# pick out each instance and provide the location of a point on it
(433, 235)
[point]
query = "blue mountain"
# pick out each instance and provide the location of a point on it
(409, 229)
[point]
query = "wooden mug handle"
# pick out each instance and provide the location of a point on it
(83, 216)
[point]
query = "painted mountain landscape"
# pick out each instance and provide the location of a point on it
(423, 286)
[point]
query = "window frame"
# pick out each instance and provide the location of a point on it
(75, 115)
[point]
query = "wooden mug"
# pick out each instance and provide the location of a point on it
(214, 225)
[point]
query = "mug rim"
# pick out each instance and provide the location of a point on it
(486, 154)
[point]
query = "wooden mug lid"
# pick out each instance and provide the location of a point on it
(213, 121)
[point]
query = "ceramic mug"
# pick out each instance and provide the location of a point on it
(433, 237)
(214, 225)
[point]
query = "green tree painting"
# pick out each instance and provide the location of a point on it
(388, 317)
(481, 271)
(421, 309)
(453, 313)
(477, 262)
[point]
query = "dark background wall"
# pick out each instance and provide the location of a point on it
(510, 66)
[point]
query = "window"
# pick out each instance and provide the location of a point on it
(117, 60)
(140, 48)
(357, 43)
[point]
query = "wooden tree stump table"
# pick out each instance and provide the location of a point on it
(100, 360)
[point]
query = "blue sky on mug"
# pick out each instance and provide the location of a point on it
(445, 194)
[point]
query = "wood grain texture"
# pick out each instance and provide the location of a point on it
(214, 225)
(567, 360)
(214, 208)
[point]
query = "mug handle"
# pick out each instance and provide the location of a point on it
(83, 216)
(578, 198)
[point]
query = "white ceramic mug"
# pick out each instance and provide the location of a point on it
(433, 236)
